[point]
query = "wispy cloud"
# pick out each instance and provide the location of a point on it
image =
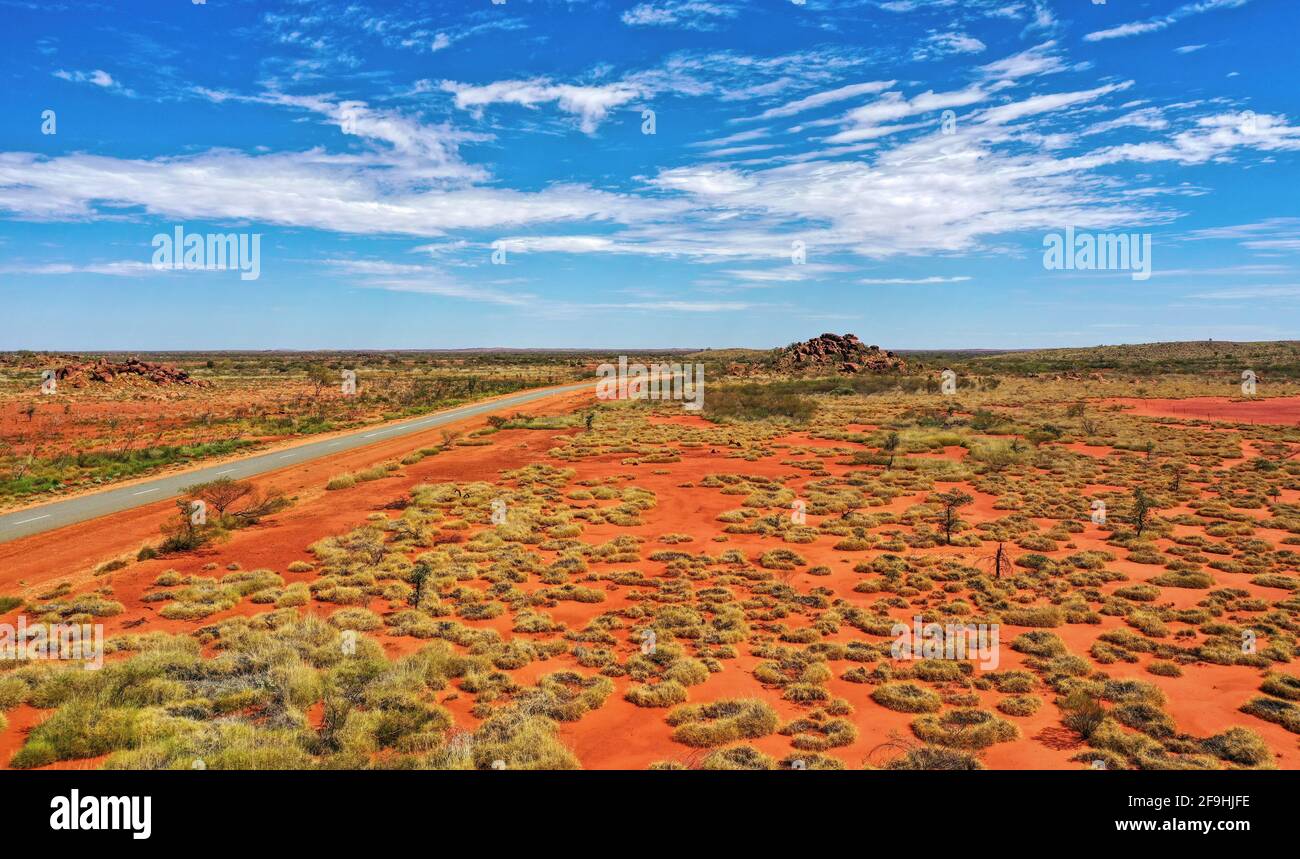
(117, 268)
(942, 44)
(95, 77)
(590, 103)
(821, 99)
(1274, 234)
(1161, 22)
(686, 14)
(1248, 292)
(914, 280)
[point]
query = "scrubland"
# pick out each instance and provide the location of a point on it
(632, 585)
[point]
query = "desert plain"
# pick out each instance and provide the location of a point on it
(629, 584)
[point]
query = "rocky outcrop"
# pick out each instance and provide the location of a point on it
(845, 354)
(129, 372)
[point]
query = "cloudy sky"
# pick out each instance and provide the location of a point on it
(592, 173)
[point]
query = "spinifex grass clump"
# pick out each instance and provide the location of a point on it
(906, 698)
(722, 722)
(964, 729)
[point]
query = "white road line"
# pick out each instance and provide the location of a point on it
(227, 471)
(145, 491)
(286, 456)
(33, 519)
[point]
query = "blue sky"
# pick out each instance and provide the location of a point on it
(919, 151)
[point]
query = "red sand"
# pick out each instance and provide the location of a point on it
(1276, 410)
(619, 734)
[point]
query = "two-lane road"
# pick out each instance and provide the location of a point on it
(57, 514)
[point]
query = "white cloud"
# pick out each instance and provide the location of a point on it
(866, 122)
(341, 193)
(591, 104)
(1041, 59)
(938, 45)
(687, 14)
(97, 77)
(1161, 22)
(1240, 292)
(1149, 118)
(446, 287)
(432, 148)
(821, 99)
(1046, 103)
(914, 280)
(885, 182)
(786, 273)
(118, 268)
(425, 280)
(732, 139)
(1215, 137)
(1274, 234)
(682, 306)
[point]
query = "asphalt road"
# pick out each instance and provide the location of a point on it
(57, 514)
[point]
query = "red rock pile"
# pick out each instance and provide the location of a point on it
(130, 371)
(847, 354)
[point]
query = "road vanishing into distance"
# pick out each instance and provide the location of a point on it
(57, 514)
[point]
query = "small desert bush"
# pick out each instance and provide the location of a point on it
(1239, 746)
(355, 618)
(964, 729)
(1082, 713)
(1039, 616)
(1191, 580)
(1272, 710)
(722, 722)
(1020, 705)
(1164, 668)
(907, 698)
(935, 758)
(341, 481)
(1282, 685)
(737, 758)
(664, 694)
